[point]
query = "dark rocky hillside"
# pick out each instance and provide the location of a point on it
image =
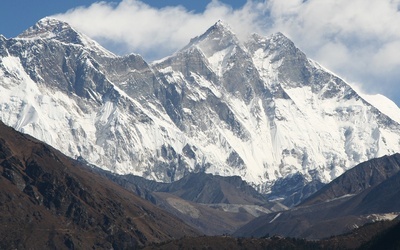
(388, 239)
(48, 201)
(361, 177)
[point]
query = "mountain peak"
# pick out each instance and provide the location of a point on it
(279, 36)
(279, 40)
(219, 28)
(220, 32)
(276, 41)
(221, 25)
(50, 28)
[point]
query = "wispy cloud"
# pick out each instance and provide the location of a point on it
(358, 39)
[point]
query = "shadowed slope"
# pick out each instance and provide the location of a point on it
(48, 200)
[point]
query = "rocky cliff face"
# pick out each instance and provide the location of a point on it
(260, 110)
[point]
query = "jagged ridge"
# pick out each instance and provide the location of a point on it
(260, 110)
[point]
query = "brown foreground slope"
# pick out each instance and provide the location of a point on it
(48, 201)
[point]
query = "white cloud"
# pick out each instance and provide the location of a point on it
(358, 39)
(152, 32)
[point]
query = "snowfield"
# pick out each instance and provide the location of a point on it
(260, 110)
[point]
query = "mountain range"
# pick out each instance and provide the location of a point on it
(258, 109)
(249, 138)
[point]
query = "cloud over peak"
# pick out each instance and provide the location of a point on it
(133, 26)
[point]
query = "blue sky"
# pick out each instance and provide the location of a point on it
(360, 42)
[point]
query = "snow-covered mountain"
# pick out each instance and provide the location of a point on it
(260, 109)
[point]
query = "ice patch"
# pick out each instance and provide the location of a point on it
(276, 217)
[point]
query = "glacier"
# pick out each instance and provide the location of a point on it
(258, 109)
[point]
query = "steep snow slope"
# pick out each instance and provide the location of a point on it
(61, 90)
(260, 110)
(334, 127)
(278, 113)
